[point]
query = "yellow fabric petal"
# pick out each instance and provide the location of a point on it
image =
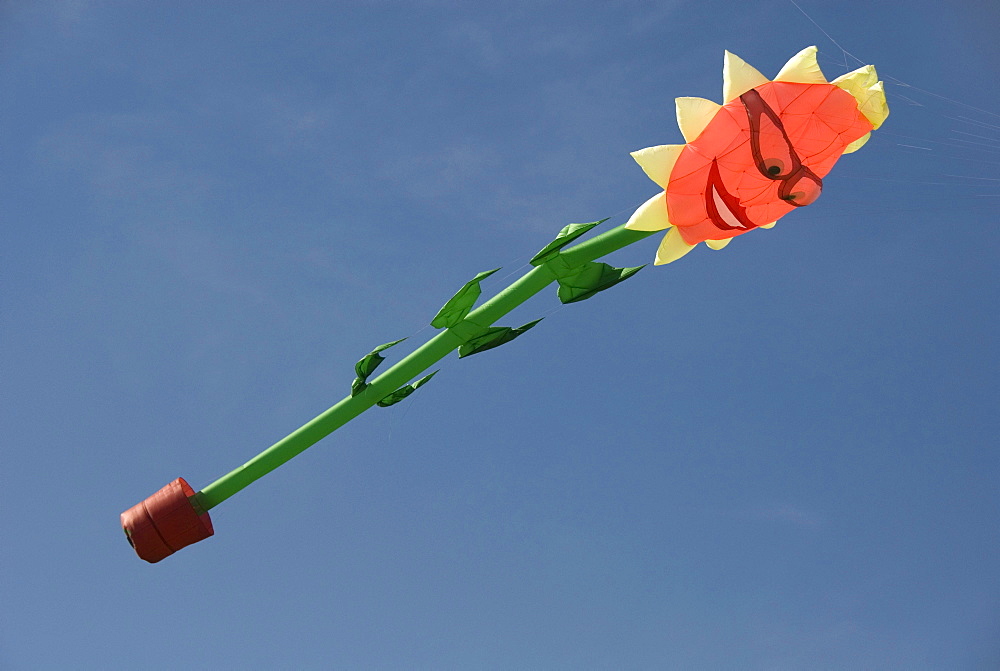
(771, 225)
(657, 162)
(672, 248)
(857, 144)
(875, 108)
(651, 215)
(861, 78)
(738, 77)
(863, 84)
(717, 244)
(693, 114)
(802, 68)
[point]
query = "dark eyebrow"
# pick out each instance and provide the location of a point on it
(756, 106)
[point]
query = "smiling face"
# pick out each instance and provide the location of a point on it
(761, 156)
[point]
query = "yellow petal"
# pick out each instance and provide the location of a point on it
(802, 68)
(651, 215)
(771, 225)
(693, 114)
(857, 144)
(672, 248)
(717, 244)
(875, 108)
(863, 84)
(657, 162)
(861, 78)
(738, 77)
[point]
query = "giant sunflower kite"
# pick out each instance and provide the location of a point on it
(747, 162)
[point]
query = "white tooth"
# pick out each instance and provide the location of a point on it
(725, 212)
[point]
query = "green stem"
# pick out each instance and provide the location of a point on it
(409, 367)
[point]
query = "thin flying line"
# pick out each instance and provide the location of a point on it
(898, 82)
(981, 137)
(966, 119)
(913, 137)
(939, 156)
(911, 101)
(977, 124)
(909, 86)
(978, 146)
(971, 160)
(988, 179)
(903, 181)
(827, 34)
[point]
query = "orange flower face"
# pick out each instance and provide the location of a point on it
(761, 156)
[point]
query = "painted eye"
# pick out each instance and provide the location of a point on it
(774, 166)
(801, 190)
(772, 151)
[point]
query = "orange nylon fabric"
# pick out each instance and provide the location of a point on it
(717, 188)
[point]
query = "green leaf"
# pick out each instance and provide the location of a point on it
(493, 337)
(367, 366)
(567, 235)
(403, 392)
(461, 303)
(592, 278)
(358, 386)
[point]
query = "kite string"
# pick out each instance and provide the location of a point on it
(846, 53)
(897, 82)
(953, 142)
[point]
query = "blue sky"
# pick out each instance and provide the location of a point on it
(781, 455)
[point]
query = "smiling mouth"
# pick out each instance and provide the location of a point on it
(724, 209)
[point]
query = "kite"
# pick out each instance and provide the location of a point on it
(747, 162)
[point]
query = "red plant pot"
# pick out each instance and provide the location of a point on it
(166, 522)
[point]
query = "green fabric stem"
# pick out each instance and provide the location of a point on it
(398, 376)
